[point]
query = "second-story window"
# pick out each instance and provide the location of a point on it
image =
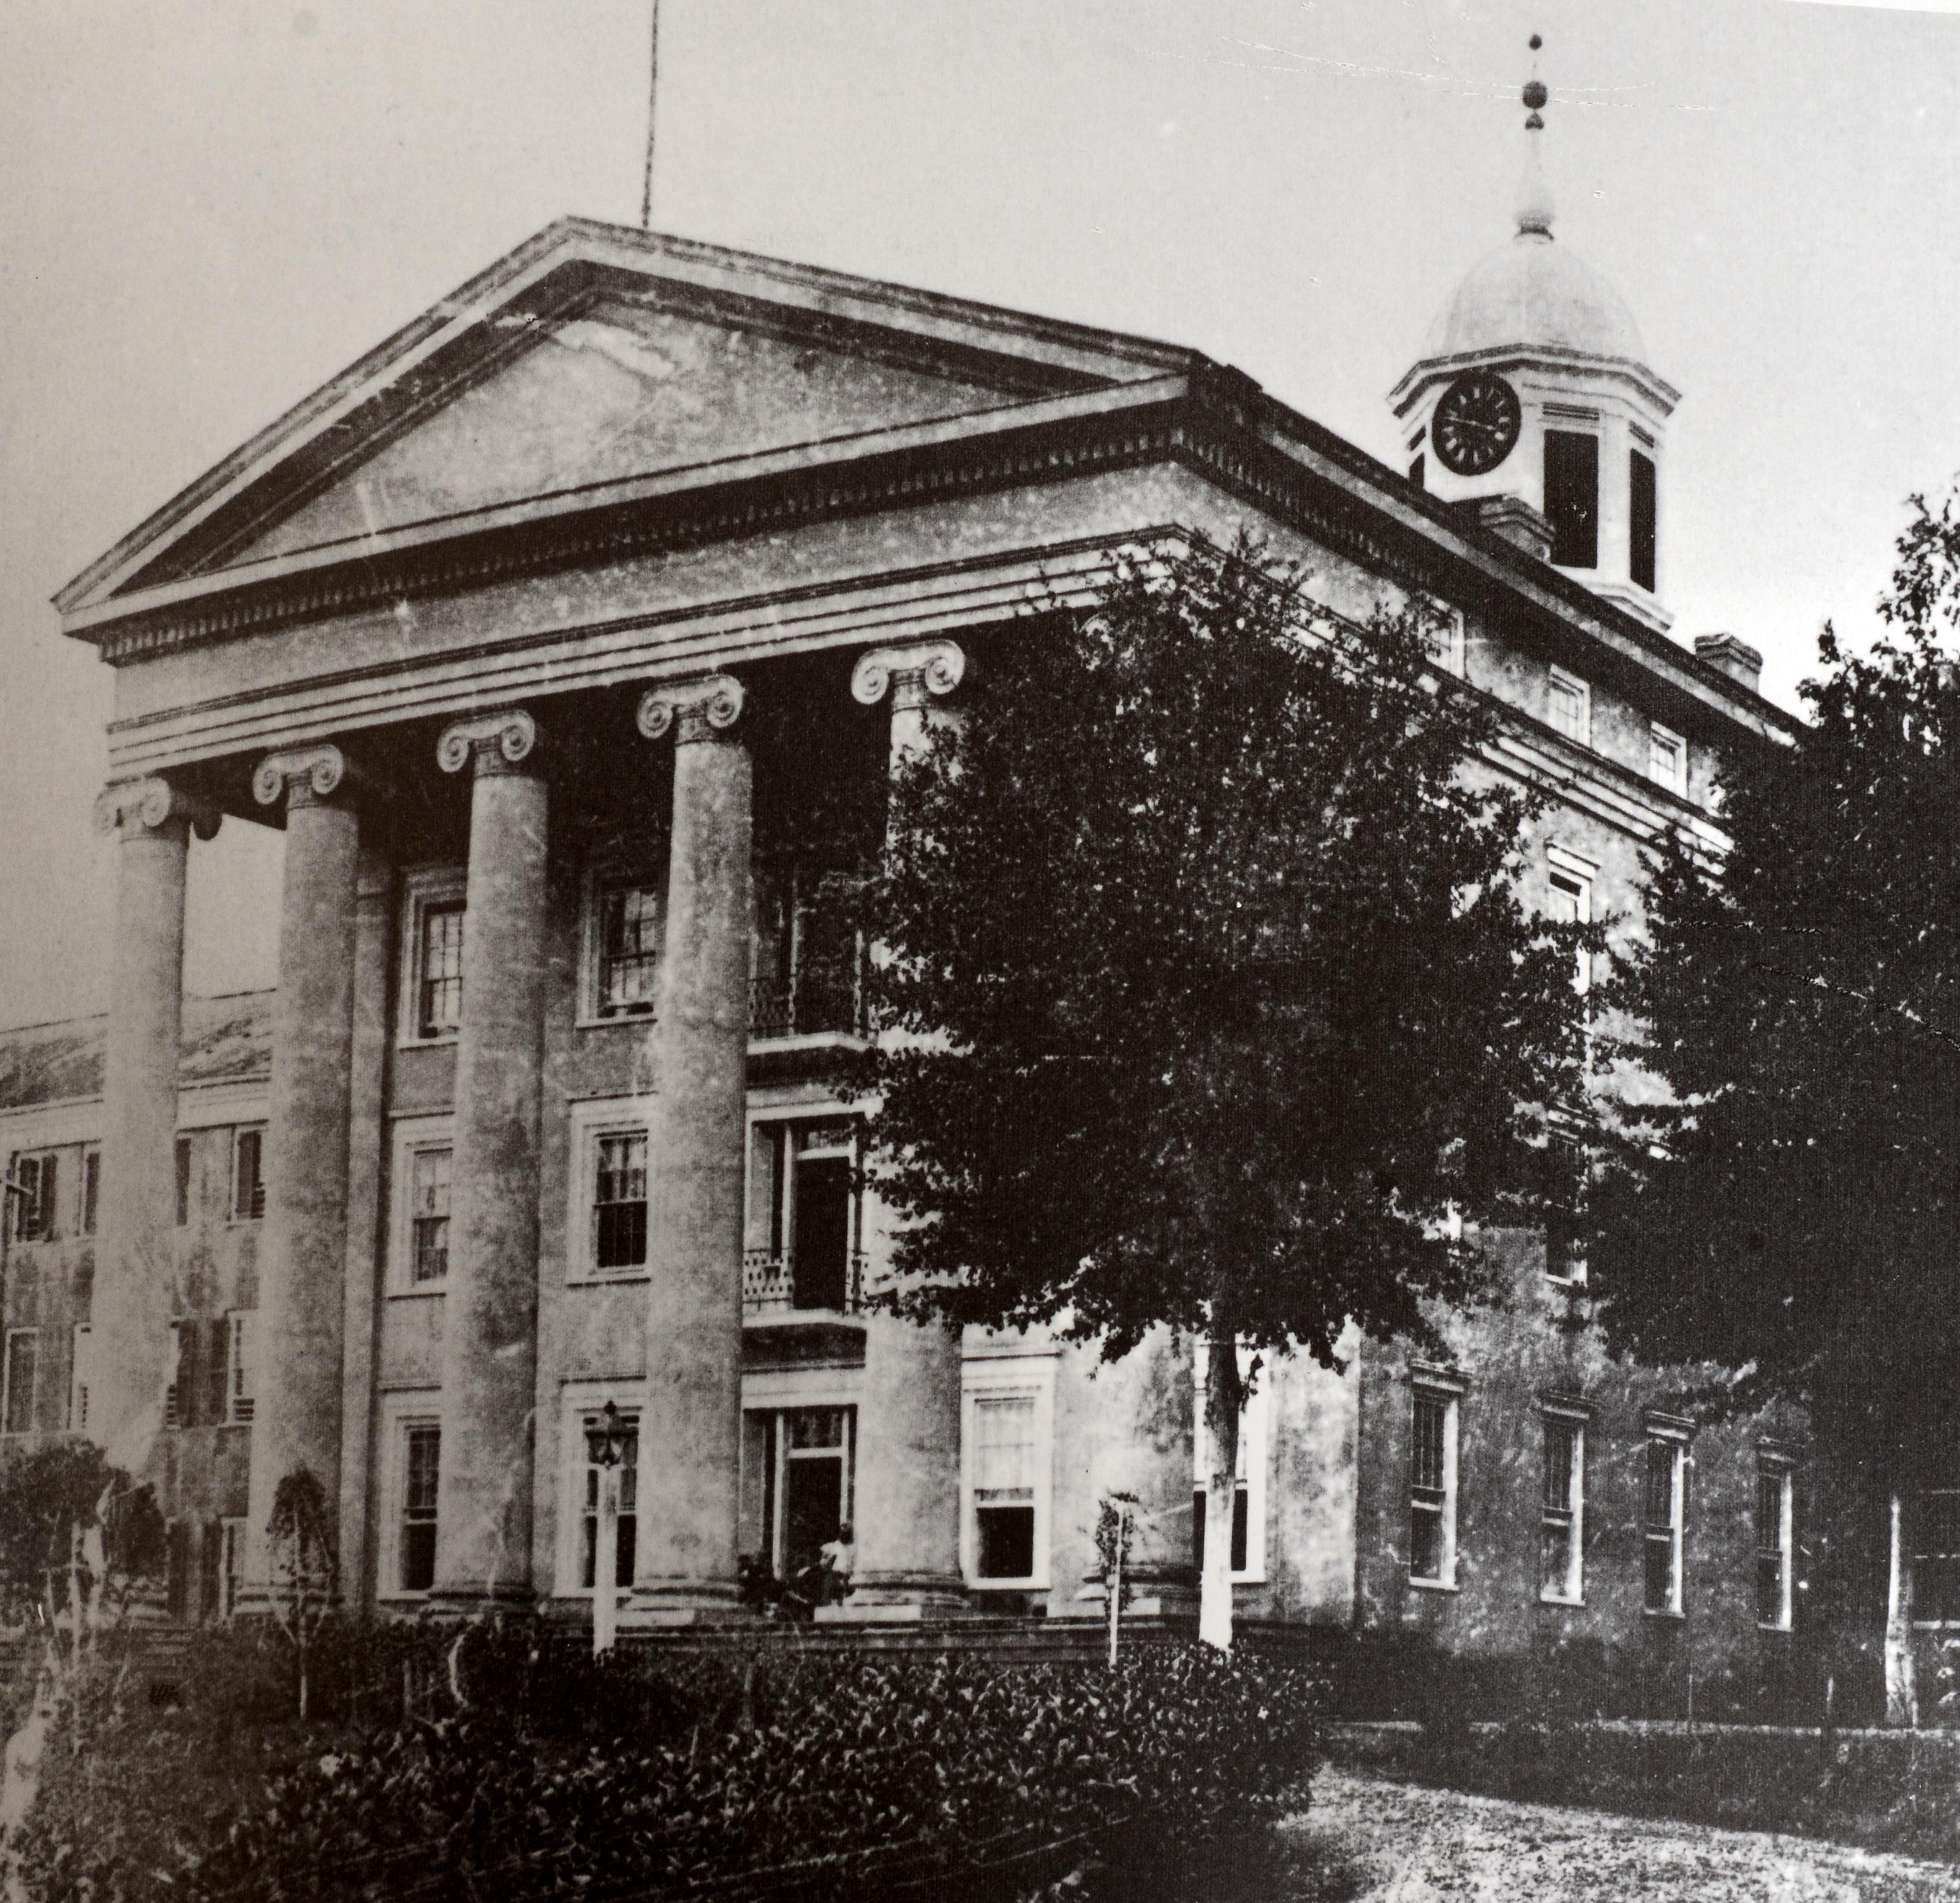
(248, 1174)
(33, 1210)
(183, 1156)
(802, 1215)
(428, 1219)
(24, 1346)
(91, 1187)
(239, 1403)
(630, 930)
(439, 989)
(1569, 899)
(619, 1200)
(1433, 1488)
(1664, 1519)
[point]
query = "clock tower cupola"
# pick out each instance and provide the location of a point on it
(1534, 386)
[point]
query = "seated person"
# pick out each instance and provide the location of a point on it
(838, 1557)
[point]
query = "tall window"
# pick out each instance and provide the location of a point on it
(78, 1378)
(239, 1403)
(629, 1521)
(1562, 1510)
(810, 1481)
(803, 1215)
(217, 1372)
(1641, 512)
(422, 1456)
(619, 1201)
(439, 1002)
(183, 1156)
(231, 1570)
(1774, 1527)
(33, 1212)
(1572, 497)
(1565, 1173)
(428, 1219)
(1433, 1488)
(1935, 1557)
(1241, 1510)
(1569, 900)
(1004, 1454)
(176, 1569)
(91, 1187)
(1662, 1522)
(1667, 759)
(1568, 705)
(248, 1175)
(629, 950)
(23, 1356)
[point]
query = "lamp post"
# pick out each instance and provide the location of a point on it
(606, 1449)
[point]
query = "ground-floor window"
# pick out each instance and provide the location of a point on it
(1007, 1465)
(1248, 1491)
(1433, 1474)
(1562, 1508)
(421, 1449)
(1664, 1521)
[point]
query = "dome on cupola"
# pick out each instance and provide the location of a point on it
(1533, 397)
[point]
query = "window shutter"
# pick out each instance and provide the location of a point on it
(187, 1389)
(44, 1202)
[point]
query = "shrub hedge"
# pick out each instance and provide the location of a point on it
(767, 1773)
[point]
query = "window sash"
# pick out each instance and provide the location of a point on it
(431, 1171)
(1561, 1509)
(1667, 758)
(243, 1329)
(91, 1188)
(1432, 1488)
(619, 1201)
(1663, 1526)
(1004, 1450)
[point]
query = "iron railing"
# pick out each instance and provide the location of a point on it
(772, 1286)
(812, 995)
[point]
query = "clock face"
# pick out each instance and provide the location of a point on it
(1476, 423)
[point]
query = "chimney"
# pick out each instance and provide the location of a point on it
(1514, 519)
(1735, 658)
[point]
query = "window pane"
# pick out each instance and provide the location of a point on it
(1659, 1573)
(619, 1202)
(1426, 1539)
(429, 1222)
(1660, 1484)
(419, 1504)
(1005, 1541)
(1431, 1411)
(441, 1002)
(249, 1184)
(811, 1428)
(630, 940)
(1004, 1448)
(1559, 1444)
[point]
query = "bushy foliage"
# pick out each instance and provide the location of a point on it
(1794, 1212)
(52, 1494)
(766, 1774)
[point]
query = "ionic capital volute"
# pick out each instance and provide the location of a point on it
(915, 674)
(301, 775)
(133, 806)
(701, 707)
(498, 742)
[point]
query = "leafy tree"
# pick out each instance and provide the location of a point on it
(1207, 994)
(304, 1565)
(77, 1542)
(1795, 1211)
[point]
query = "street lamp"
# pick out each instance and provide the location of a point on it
(606, 1437)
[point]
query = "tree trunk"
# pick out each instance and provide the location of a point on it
(1901, 1689)
(1223, 1397)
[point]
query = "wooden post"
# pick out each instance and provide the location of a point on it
(606, 1564)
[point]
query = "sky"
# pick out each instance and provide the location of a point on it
(207, 208)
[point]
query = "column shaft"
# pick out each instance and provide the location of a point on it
(489, 1323)
(135, 1279)
(303, 1252)
(691, 1435)
(374, 937)
(908, 1481)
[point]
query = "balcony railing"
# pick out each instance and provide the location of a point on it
(773, 1284)
(812, 995)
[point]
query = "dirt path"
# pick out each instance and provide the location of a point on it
(1369, 1840)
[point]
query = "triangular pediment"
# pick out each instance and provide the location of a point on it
(591, 360)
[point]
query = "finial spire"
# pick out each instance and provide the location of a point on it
(1535, 206)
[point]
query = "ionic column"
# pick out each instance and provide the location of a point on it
(1144, 1412)
(489, 1321)
(303, 1249)
(908, 1482)
(374, 941)
(137, 1217)
(691, 1432)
